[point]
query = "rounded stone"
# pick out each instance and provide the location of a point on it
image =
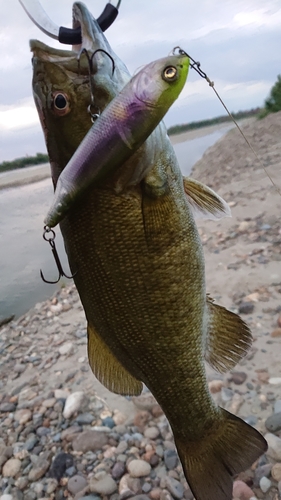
(6, 496)
(276, 472)
(139, 468)
(242, 490)
(89, 441)
(76, 484)
(73, 403)
(118, 470)
(23, 416)
(151, 432)
(265, 484)
(11, 467)
(170, 459)
(274, 446)
(104, 485)
(174, 487)
(273, 423)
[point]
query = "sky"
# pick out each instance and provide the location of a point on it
(236, 41)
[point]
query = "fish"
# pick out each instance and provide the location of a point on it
(133, 241)
(121, 129)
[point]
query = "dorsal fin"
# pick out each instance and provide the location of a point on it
(204, 202)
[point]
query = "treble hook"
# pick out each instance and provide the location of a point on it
(50, 239)
(92, 109)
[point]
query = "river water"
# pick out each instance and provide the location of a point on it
(22, 249)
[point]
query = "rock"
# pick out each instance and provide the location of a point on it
(7, 407)
(76, 484)
(118, 470)
(66, 349)
(276, 472)
(38, 470)
(238, 377)
(151, 432)
(276, 332)
(246, 308)
(171, 459)
(242, 491)
(74, 403)
(273, 423)
(174, 487)
(265, 484)
(23, 416)
(108, 422)
(61, 394)
(215, 386)
(277, 406)
(275, 380)
(6, 496)
(49, 403)
(89, 441)
(11, 468)
(141, 419)
(140, 497)
(85, 419)
(103, 483)
(263, 376)
(60, 463)
(139, 468)
(274, 446)
(51, 485)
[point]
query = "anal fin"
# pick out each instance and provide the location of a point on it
(204, 202)
(108, 369)
(228, 337)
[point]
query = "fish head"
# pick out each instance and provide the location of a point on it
(159, 83)
(67, 83)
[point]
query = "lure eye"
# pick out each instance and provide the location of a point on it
(60, 103)
(170, 74)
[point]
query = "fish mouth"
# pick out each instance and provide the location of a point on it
(92, 38)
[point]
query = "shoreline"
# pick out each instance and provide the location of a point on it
(36, 173)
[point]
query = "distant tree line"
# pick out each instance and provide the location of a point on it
(273, 103)
(178, 129)
(26, 161)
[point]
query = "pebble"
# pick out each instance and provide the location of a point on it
(174, 487)
(265, 484)
(273, 423)
(171, 459)
(277, 406)
(139, 468)
(76, 484)
(6, 496)
(242, 491)
(275, 380)
(103, 483)
(274, 446)
(238, 377)
(246, 308)
(215, 386)
(151, 432)
(118, 470)
(73, 403)
(60, 464)
(85, 418)
(276, 332)
(38, 470)
(89, 441)
(11, 467)
(276, 472)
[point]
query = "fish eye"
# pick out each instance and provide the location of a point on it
(60, 103)
(170, 74)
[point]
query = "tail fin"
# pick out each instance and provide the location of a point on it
(210, 464)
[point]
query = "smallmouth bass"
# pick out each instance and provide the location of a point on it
(141, 276)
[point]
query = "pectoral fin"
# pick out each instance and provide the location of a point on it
(108, 369)
(204, 202)
(228, 338)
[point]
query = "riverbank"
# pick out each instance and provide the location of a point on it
(28, 175)
(45, 447)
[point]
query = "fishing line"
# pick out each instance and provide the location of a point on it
(197, 67)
